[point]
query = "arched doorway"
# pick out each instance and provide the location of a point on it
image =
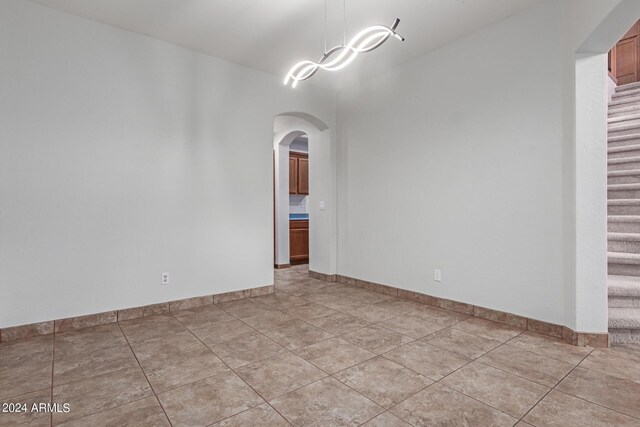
(320, 202)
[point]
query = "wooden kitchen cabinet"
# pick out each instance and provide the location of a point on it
(298, 242)
(298, 173)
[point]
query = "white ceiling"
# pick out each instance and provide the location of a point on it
(271, 35)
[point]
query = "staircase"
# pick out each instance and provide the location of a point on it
(623, 191)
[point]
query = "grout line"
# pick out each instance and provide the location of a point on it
(53, 368)
(235, 373)
(145, 374)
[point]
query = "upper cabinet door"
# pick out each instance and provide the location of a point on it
(303, 175)
(627, 58)
(293, 175)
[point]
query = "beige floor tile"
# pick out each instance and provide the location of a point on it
(383, 381)
(150, 327)
(441, 406)
(297, 334)
(369, 297)
(166, 373)
(141, 413)
(29, 350)
(309, 311)
(335, 302)
(440, 316)
(507, 392)
(386, 419)
(334, 354)
(373, 314)
(326, 403)
(269, 320)
(26, 378)
(279, 374)
(202, 316)
(209, 400)
(281, 300)
(243, 351)
(99, 393)
(25, 416)
(376, 339)
(426, 359)
(245, 308)
(89, 341)
(611, 392)
(81, 366)
(339, 323)
(224, 332)
(414, 327)
(532, 366)
(561, 410)
(402, 305)
(161, 346)
(260, 416)
(488, 329)
(550, 347)
(618, 361)
(462, 343)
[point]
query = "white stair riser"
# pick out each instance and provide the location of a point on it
(624, 336)
(624, 269)
(623, 227)
(624, 302)
(624, 166)
(624, 154)
(623, 246)
(623, 194)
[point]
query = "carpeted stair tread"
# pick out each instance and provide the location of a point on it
(627, 172)
(623, 218)
(627, 202)
(623, 286)
(623, 187)
(623, 258)
(623, 149)
(627, 87)
(635, 115)
(634, 159)
(624, 318)
(617, 138)
(624, 237)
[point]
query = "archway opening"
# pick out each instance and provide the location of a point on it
(304, 208)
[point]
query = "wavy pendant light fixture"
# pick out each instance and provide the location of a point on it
(339, 57)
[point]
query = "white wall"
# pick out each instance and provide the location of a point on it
(122, 157)
(477, 136)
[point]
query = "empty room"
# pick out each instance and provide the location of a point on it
(319, 213)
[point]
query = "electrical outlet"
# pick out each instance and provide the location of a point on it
(437, 275)
(164, 279)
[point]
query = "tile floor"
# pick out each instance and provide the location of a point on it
(317, 354)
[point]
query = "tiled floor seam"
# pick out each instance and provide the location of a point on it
(145, 375)
(235, 373)
(289, 351)
(53, 369)
(568, 394)
(450, 388)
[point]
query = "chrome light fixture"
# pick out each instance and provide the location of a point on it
(366, 40)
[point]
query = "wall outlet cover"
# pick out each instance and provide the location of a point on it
(437, 275)
(164, 279)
